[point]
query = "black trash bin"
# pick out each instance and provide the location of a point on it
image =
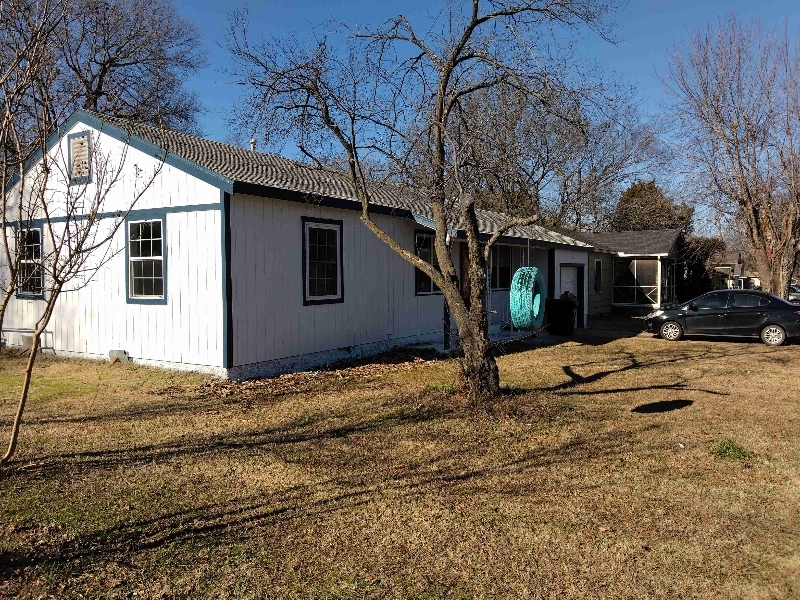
(561, 316)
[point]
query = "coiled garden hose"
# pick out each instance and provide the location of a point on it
(527, 299)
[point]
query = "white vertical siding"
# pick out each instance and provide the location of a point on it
(269, 319)
(187, 330)
(270, 322)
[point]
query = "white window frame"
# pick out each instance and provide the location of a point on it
(337, 227)
(36, 262)
(132, 259)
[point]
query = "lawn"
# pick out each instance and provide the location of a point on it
(627, 468)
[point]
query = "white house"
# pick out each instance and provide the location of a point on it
(241, 264)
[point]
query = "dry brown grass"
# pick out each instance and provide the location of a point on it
(379, 484)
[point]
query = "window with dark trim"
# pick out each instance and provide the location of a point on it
(598, 276)
(423, 248)
(80, 160)
(322, 261)
(146, 259)
(30, 277)
(500, 267)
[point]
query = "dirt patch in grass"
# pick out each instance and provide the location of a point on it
(381, 482)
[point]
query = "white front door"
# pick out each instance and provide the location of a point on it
(569, 280)
(569, 283)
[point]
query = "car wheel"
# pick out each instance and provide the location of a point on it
(773, 335)
(671, 331)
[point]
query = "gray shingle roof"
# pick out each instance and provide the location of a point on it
(269, 170)
(656, 241)
(728, 257)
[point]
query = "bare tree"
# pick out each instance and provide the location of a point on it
(128, 59)
(395, 93)
(76, 226)
(56, 232)
(123, 58)
(737, 103)
(522, 146)
(613, 146)
(27, 28)
(566, 157)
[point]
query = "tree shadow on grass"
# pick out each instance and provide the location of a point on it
(354, 475)
(455, 473)
(633, 364)
(661, 406)
(302, 430)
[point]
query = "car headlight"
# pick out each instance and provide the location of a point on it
(655, 314)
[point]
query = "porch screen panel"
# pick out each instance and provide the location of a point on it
(635, 281)
(624, 281)
(646, 280)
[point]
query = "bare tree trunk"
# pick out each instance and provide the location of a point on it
(781, 276)
(23, 399)
(3, 307)
(478, 366)
(775, 270)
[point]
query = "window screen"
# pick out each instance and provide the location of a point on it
(323, 262)
(598, 276)
(322, 253)
(31, 273)
(501, 267)
(146, 257)
(423, 248)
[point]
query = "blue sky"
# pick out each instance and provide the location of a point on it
(646, 30)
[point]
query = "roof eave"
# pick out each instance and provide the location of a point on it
(134, 141)
(637, 254)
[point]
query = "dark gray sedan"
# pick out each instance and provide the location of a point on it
(738, 313)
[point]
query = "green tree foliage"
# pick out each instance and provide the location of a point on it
(645, 206)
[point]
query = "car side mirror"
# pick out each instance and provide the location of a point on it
(692, 306)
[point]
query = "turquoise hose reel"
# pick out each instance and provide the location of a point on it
(527, 299)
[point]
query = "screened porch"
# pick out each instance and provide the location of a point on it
(644, 281)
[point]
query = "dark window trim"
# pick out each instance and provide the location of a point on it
(340, 224)
(146, 215)
(432, 235)
(29, 295)
(598, 280)
(79, 180)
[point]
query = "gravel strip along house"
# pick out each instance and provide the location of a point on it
(243, 264)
